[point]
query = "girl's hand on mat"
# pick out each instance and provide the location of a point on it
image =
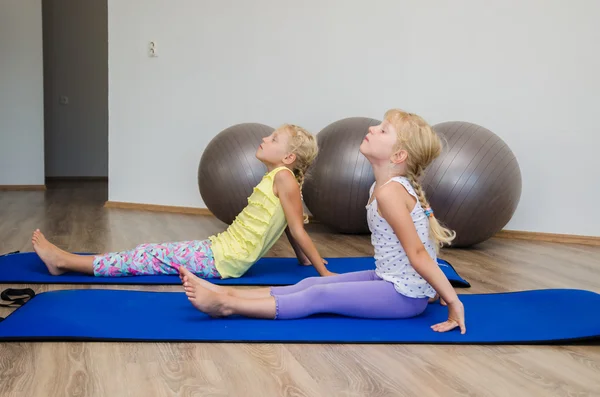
(328, 273)
(306, 262)
(435, 298)
(456, 318)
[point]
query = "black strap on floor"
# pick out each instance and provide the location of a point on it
(16, 296)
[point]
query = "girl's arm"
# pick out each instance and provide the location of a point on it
(302, 258)
(392, 201)
(288, 191)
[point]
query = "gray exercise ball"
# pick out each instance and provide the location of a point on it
(474, 186)
(337, 189)
(229, 169)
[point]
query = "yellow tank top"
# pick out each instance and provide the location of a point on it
(253, 232)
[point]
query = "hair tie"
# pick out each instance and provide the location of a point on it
(428, 212)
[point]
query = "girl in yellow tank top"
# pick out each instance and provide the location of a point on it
(274, 206)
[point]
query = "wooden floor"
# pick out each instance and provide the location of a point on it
(71, 215)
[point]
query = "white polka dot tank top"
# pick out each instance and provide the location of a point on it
(391, 261)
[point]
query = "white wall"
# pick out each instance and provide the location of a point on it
(21, 93)
(527, 70)
(76, 66)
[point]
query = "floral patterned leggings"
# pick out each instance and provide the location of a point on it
(155, 259)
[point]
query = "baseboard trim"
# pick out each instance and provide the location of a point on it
(22, 188)
(549, 237)
(157, 208)
(76, 179)
(505, 234)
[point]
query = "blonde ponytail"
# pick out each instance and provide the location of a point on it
(439, 234)
(422, 145)
(304, 145)
(299, 173)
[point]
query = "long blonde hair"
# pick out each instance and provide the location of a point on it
(423, 145)
(304, 145)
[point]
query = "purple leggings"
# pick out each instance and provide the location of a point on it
(356, 294)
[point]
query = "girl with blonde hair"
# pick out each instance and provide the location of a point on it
(275, 206)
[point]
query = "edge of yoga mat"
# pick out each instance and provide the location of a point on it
(531, 317)
(271, 271)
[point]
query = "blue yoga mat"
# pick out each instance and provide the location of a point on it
(527, 317)
(27, 268)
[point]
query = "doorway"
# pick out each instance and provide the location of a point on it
(75, 40)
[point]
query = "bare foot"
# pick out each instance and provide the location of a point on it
(50, 254)
(187, 276)
(203, 298)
